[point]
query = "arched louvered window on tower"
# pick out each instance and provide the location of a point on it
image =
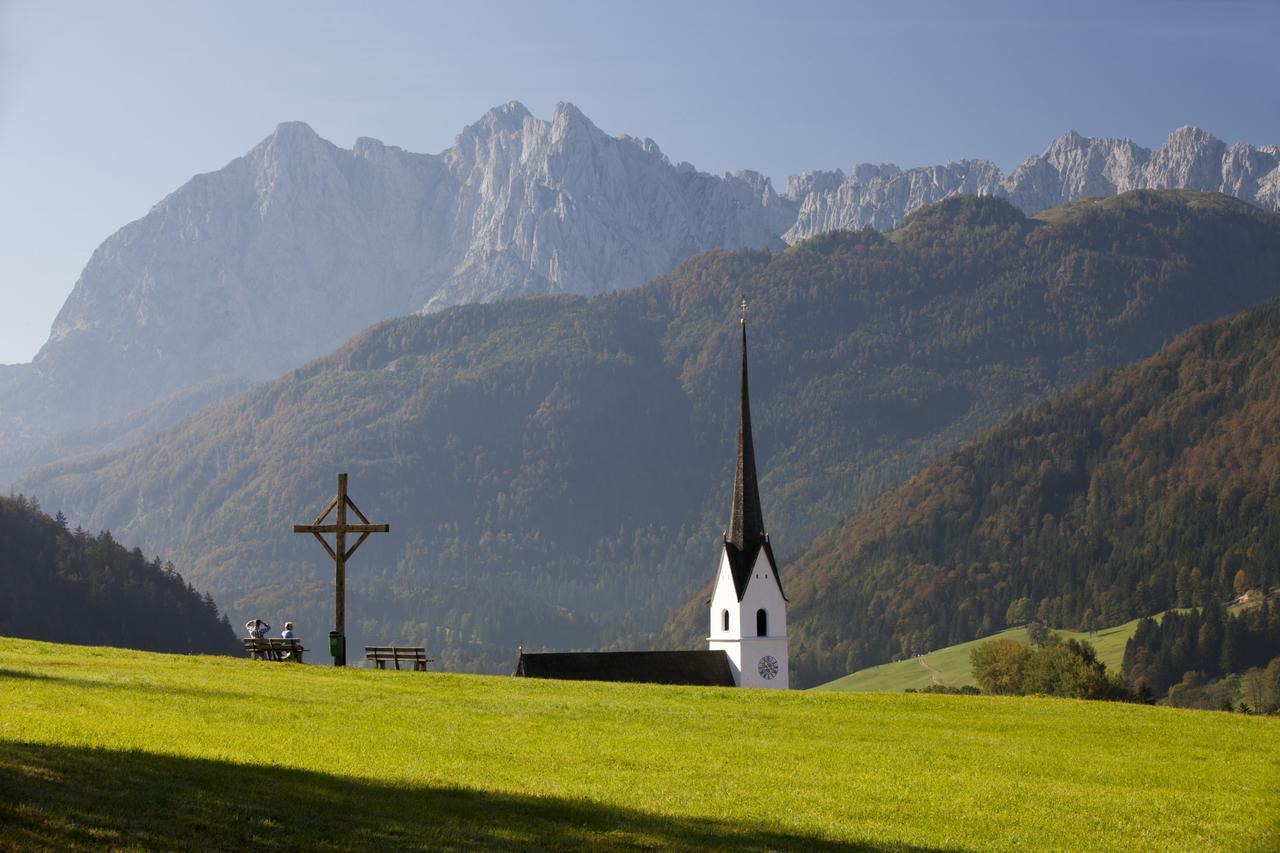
(762, 623)
(724, 621)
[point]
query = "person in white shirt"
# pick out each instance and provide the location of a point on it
(287, 634)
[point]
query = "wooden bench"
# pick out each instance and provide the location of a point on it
(274, 648)
(382, 655)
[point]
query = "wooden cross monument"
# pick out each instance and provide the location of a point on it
(341, 553)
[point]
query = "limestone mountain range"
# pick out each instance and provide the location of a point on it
(1071, 168)
(275, 259)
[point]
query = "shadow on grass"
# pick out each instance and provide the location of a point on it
(130, 686)
(62, 798)
(23, 674)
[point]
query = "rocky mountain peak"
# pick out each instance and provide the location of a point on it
(1191, 158)
(1189, 135)
(570, 126)
(505, 120)
(802, 185)
(249, 271)
(292, 150)
(567, 113)
(294, 131)
(506, 117)
(289, 137)
(1073, 166)
(752, 178)
(368, 148)
(1069, 140)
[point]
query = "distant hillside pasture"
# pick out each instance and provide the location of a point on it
(105, 748)
(950, 666)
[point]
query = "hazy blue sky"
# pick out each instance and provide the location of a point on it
(107, 107)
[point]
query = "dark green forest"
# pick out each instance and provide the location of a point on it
(1180, 655)
(556, 471)
(1150, 488)
(68, 586)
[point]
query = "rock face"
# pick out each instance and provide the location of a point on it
(286, 252)
(1073, 167)
(561, 206)
(278, 257)
(880, 196)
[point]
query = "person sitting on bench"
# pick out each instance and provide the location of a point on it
(287, 634)
(257, 628)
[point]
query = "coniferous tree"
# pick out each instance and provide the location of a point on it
(67, 586)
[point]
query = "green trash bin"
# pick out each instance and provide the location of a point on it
(337, 645)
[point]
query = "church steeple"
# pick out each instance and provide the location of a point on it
(746, 519)
(748, 607)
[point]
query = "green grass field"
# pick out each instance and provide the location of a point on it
(107, 748)
(950, 666)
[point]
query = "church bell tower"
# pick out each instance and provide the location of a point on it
(748, 607)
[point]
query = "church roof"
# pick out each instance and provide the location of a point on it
(746, 519)
(742, 562)
(746, 535)
(698, 668)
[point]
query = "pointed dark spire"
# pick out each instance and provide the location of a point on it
(746, 519)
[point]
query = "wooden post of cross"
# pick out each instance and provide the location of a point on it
(340, 552)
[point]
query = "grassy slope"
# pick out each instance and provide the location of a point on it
(952, 663)
(102, 747)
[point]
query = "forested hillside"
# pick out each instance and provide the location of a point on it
(68, 586)
(556, 471)
(1209, 658)
(1154, 487)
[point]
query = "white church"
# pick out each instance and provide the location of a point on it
(748, 607)
(747, 642)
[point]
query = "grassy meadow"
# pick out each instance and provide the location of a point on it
(950, 665)
(107, 748)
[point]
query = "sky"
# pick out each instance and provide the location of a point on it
(105, 108)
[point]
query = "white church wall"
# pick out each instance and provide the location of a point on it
(744, 648)
(723, 598)
(763, 593)
(752, 652)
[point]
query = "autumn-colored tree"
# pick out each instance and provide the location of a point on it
(1271, 687)
(1069, 669)
(1038, 633)
(998, 666)
(1253, 689)
(1019, 612)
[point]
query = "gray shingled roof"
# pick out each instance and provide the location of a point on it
(698, 668)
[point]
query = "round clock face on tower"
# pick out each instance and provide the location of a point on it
(768, 667)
